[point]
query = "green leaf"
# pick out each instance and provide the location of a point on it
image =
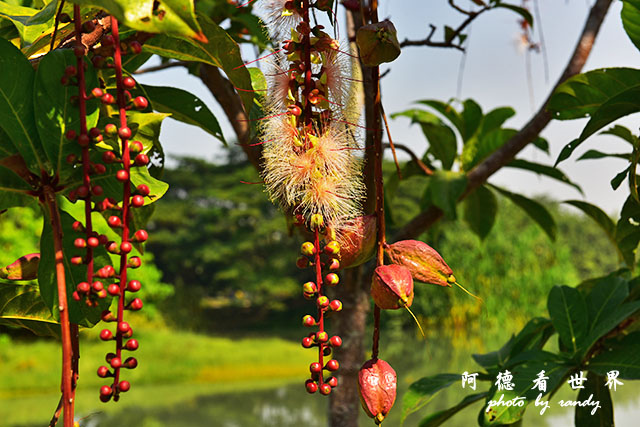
(79, 312)
(628, 231)
(581, 95)
(535, 210)
(523, 12)
(630, 15)
(185, 107)
(16, 106)
(480, 148)
(424, 390)
(545, 170)
(480, 209)
(12, 189)
(594, 388)
(444, 189)
(597, 214)
(440, 417)
(448, 112)
(607, 322)
(569, 315)
(622, 133)
(619, 179)
(606, 295)
(533, 336)
(175, 17)
(25, 22)
(44, 15)
(622, 356)
(494, 119)
(495, 359)
(21, 305)
(471, 117)
(595, 154)
(541, 144)
(221, 51)
(54, 113)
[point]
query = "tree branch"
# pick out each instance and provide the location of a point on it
(427, 171)
(526, 135)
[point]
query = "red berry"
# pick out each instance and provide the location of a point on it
(142, 159)
(322, 301)
(332, 248)
(115, 363)
(311, 386)
(113, 289)
(105, 390)
(97, 61)
(96, 92)
(106, 335)
(133, 286)
(135, 47)
(80, 243)
(107, 316)
(129, 82)
(76, 296)
(335, 341)
(322, 337)
(335, 305)
(77, 226)
(82, 191)
(325, 389)
(103, 372)
(97, 286)
(135, 304)
(124, 132)
(103, 239)
(64, 80)
(71, 158)
(308, 249)
(124, 386)
(97, 190)
(315, 368)
(134, 262)
(308, 320)
(112, 247)
(114, 221)
(334, 264)
(94, 132)
(137, 201)
(140, 102)
(126, 247)
(77, 260)
(122, 175)
(132, 344)
(78, 51)
(107, 98)
(307, 342)
(135, 146)
(302, 262)
(88, 26)
(108, 157)
(123, 327)
(332, 279)
(141, 236)
(99, 169)
(130, 363)
(111, 129)
(332, 365)
(142, 189)
(108, 40)
(83, 140)
(83, 287)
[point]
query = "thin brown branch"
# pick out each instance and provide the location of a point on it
(426, 169)
(526, 135)
(459, 9)
(56, 414)
(391, 144)
(161, 67)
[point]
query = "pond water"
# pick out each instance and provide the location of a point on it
(287, 404)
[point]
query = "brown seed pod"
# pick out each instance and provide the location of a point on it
(425, 264)
(377, 383)
(392, 287)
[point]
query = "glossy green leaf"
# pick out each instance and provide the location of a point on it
(175, 17)
(444, 189)
(606, 295)
(622, 356)
(478, 149)
(597, 214)
(607, 322)
(622, 133)
(595, 154)
(448, 112)
(24, 18)
(596, 389)
(79, 312)
(535, 210)
(630, 15)
(55, 114)
(480, 209)
(628, 231)
(424, 390)
(440, 417)
(569, 315)
(45, 14)
(545, 170)
(16, 106)
(221, 51)
(185, 107)
(21, 305)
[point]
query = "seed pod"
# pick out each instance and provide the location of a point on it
(377, 387)
(357, 245)
(378, 43)
(392, 287)
(24, 268)
(425, 264)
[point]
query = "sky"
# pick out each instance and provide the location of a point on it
(495, 74)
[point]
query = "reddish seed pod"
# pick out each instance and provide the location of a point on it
(309, 288)
(80, 243)
(308, 320)
(122, 175)
(322, 301)
(123, 327)
(335, 341)
(113, 289)
(307, 342)
(141, 236)
(136, 47)
(114, 221)
(142, 159)
(93, 242)
(308, 249)
(322, 337)
(115, 363)
(135, 304)
(102, 294)
(425, 263)
(103, 239)
(126, 247)
(111, 129)
(106, 335)
(107, 316)
(106, 271)
(311, 386)
(129, 82)
(133, 286)
(332, 248)
(142, 189)
(134, 262)
(105, 390)
(334, 264)
(332, 365)
(96, 92)
(140, 102)
(124, 132)
(97, 286)
(94, 132)
(335, 305)
(107, 99)
(377, 384)
(325, 389)
(108, 157)
(315, 368)
(132, 344)
(124, 386)
(112, 247)
(137, 201)
(131, 363)
(103, 372)
(135, 146)
(332, 381)
(83, 287)
(332, 279)
(97, 190)
(392, 287)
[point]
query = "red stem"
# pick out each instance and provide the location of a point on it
(126, 162)
(307, 65)
(318, 266)
(67, 373)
